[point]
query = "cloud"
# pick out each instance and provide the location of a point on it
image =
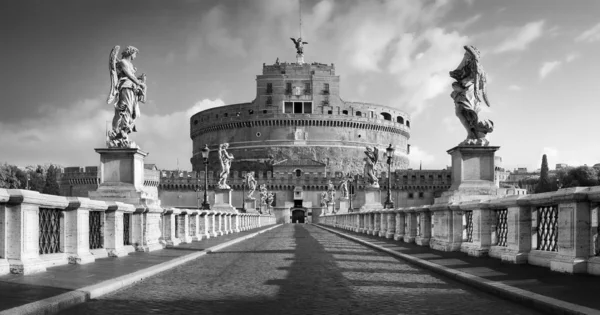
(548, 67)
(514, 87)
(572, 56)
(67, 136)
(451, 123)
(520, 38)
(466, 23)
(418, 156)
(591, 35)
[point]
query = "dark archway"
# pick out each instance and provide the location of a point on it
(298, 215)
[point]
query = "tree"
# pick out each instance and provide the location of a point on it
(51, 187)
(37, 180)
(8, 177)
(543, 184)
(580, 176)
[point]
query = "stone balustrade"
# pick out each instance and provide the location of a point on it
(38, 231)
(558, 230)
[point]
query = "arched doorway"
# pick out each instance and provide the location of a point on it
(298, 215)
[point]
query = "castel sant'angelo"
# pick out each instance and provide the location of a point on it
(299, 137)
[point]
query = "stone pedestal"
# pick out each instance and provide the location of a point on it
(122, 179)
(344, 204)
(223, 200)
(372, 199)
(330, 208)
(250, 205)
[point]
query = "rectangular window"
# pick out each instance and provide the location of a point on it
(297, 107)
(421, 195)
(410, 196)
(288, 107)
(308, 107)
(269, 88)
(307, 88)
(288, 88)
(326, 88)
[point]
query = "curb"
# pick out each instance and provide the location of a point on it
(55, 304)
(536, 301)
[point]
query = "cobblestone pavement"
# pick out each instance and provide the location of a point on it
(298, 269)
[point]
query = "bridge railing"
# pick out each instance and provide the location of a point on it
(558, 230)
(38, 231)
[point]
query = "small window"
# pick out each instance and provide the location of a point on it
(288, 107)
(386, 116)
(298, 173)
(258, 134)
(269, 88)
(329, 112)
(372, 114)
(251, 111)
(400, 120)
(345, 112)
(421, 194)
(225, 115)
(196, 122)
(326, 88)
(358, 113)
(269, 100)
(407, 123)
(307, 88)
(264, 111)
(411, 196)
(288, 88)
(297, 107)
(217, 115)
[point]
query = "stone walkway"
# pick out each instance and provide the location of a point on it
(577, 289)
(17, 290)
(298, 269)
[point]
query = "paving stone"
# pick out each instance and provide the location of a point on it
(298, 269)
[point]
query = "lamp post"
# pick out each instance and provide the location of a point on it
(244, 193)
(389, 152)
(198, 190)
(205, 152)
(350, 191)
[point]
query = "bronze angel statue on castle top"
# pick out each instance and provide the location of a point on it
(126, 91)
(469, 91)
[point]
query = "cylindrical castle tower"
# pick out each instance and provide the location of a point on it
(298, 115)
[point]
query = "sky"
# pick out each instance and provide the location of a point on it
(541, 58)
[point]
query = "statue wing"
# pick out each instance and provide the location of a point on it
(112, 67)
(294, 40)
(483, 87)
(375, 155)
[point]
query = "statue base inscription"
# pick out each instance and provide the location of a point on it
(122, 179)
(372, 197)
(223, 200)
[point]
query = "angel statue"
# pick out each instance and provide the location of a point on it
(263, 194)
(270, 199)
(330, 191)
(371, 158)
(323, 199)
(225, 159)
(251, 182)
(344, 186)
(299, 45)
(469, 91)
(126, 91)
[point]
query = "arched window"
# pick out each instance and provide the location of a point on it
(386, 116)
(345, 112)
(400, 120)
(358, 113)
(298, 173)
(407, 123)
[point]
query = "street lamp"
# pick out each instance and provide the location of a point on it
(244, 178)
(198, 190)
(389, 152)
(205, 152)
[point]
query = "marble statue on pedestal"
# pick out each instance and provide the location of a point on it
(469, 91)
(299, 49)
(330, 192)
(323, 199)
(225, 159)
(126, 92)
(344, 186)
(263, 194)
(251, 182)
(270, 199)
(371, 158)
